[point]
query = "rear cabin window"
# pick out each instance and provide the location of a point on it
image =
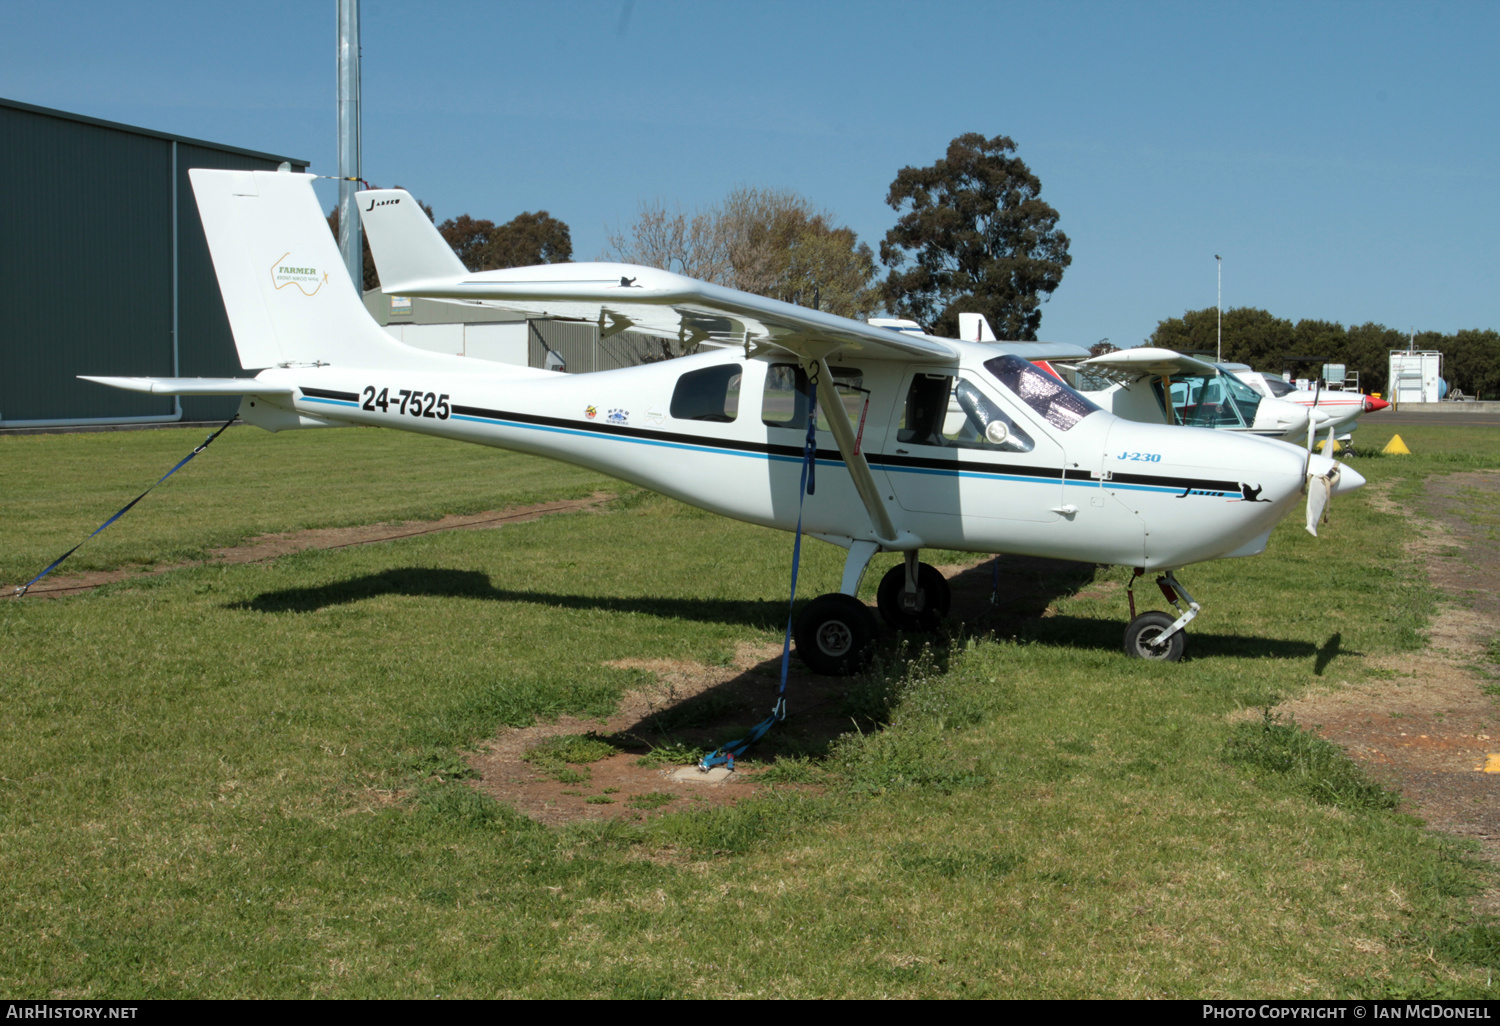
(711, 394)
(784, 403)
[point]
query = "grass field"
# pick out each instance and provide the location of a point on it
(248, 780)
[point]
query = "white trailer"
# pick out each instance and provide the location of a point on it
(1416, 376)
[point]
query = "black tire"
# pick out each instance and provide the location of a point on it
(932, 601)
(1146, 628)
(835, 635)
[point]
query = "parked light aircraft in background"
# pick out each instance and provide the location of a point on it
(1225, 396)
(1032, 467)
(1160, 386)
(1338, 409)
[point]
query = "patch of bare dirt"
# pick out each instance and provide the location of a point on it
(269, 546)
(688, 703)
(705, 705)
(1427, 728)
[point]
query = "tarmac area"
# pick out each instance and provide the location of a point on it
(1445, 419)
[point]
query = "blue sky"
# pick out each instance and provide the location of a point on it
(1338, 156)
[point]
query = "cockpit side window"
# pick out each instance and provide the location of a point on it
(1246, 400)
(1056, 402)
(711, 394)
(1276, 386)
(981, 417)
(941, 413)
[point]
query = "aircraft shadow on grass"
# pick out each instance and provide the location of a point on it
(822, 707)
(474, 584)
(1027, 586)
(1080, 632)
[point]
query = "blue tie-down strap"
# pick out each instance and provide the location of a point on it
(125, 508)
(725, 755)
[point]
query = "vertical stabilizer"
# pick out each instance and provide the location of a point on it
(404, 242)
(286, 291)
(974, 327)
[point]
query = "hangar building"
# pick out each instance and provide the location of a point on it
(105, 269)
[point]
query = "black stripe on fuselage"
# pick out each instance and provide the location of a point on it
(795, 451)
(328, 393)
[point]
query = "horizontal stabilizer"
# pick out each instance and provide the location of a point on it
(192, 386)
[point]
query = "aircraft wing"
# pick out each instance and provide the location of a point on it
(1150, 363)
(192, 386)
(414, 260)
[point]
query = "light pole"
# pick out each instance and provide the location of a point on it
(1219, 262)
(350, 231)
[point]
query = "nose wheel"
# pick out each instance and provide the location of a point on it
(1145, 638)
(1157, 635)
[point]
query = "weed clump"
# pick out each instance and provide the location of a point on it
(1316, 768)
(650, 800)
(917, 701)
(672, 752)
(554, 755)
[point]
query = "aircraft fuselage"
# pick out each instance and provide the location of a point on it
(726, 434)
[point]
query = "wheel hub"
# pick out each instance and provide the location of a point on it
(835, 638)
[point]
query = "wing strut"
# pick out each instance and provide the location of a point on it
(859, 469)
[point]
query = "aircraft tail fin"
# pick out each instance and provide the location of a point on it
(406, 245)
(286, 291)
(975, 327)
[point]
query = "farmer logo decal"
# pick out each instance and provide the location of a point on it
(289, 271)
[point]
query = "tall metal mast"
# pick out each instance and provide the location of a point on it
(350, 234)
(1219, 358)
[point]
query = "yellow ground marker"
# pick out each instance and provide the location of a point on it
(1337, 445)
(1396, 447)
(1492, 764)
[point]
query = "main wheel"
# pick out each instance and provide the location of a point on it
(928, 606)
(835, 635)
(1145, 629)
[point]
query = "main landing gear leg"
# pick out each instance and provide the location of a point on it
(835, 634)
(1156, 635)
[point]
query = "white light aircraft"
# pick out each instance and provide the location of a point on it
(1337, 409)
(1161, 386)
(1031, 468)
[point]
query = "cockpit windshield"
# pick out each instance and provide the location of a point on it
(1058, 404)
(1223, 401)
(1277, 386)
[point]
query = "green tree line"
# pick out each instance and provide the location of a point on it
(1471, 358)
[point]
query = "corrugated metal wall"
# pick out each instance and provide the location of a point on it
(86, 265)
(577, 342)
(584, 351)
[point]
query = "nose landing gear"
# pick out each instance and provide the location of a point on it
(1157, 635)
